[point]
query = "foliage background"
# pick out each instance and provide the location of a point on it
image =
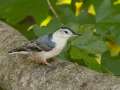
(98, 20)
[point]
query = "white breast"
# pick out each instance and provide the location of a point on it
(60, 44)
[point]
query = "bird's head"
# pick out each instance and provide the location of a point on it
(65, 33)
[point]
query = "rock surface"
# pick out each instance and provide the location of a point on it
(17, 73)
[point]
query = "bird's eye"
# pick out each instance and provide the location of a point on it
(66, 32)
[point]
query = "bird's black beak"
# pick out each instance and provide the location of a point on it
(76, 34)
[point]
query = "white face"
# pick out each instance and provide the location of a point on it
(64, 33)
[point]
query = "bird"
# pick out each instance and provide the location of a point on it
(47, 46)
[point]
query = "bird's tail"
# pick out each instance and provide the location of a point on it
(13, 50)
(17, 51)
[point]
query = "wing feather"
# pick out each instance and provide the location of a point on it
(41, 44)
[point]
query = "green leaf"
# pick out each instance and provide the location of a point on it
(107, 12)
(90, 42)
(109, 31)
(15, 10)
(112, 63)
(103, 10)
(81, 56)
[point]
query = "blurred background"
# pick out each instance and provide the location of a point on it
(98, 20)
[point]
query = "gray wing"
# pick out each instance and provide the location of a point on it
(46, 43)
(27, 47)
(41, 44)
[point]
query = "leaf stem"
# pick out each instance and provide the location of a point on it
(52, 9)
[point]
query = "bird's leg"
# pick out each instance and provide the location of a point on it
(44, 61)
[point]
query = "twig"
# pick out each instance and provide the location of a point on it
(52, 9)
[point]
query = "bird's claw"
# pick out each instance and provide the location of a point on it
(46, 63)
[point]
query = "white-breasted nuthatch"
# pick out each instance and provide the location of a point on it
(47, 46)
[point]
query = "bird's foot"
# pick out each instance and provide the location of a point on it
(44, 62)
